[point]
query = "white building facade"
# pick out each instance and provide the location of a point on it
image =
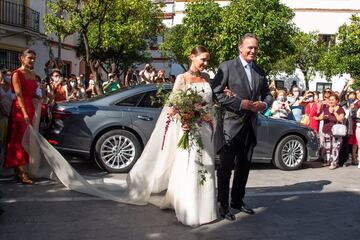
(323, 16)
(22, 26)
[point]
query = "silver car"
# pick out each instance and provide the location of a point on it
(113, 130)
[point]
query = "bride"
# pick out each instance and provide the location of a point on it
(170, 170)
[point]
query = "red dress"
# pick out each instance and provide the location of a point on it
(15, 154)
(312, 113)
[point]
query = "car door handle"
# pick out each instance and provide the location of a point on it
(146, 118)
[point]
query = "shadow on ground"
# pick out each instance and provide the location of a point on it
(327, 216)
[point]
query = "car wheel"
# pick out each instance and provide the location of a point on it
(290, 153)
(117, 151)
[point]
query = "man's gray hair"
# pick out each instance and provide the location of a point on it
(246, 35)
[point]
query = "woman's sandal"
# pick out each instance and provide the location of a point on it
(24, 178)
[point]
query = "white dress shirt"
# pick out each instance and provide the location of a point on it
(247, 67)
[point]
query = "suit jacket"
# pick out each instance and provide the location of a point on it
(231, 74)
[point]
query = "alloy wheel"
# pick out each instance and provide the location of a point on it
(292, 153)
(117, 152)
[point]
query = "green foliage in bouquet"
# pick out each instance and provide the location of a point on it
(192, 111)
(162, 95)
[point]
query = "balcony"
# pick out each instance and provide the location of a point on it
(18, 15)
(163, 1)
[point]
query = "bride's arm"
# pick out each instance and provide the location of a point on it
(179, 83)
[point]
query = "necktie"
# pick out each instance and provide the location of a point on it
(248, 74)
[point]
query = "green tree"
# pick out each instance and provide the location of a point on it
(108, 29)
(308, 49)
(172, 47)
(202, 23)
(344, 56)
(199, 26)
(269, 20)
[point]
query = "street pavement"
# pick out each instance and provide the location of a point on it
(310, 203)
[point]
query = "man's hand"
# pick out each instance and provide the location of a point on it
(185, 127)
(246, 104)
(258, 106)
(228, 92)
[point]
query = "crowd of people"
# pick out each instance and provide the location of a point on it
(60, 88)
(334, 116)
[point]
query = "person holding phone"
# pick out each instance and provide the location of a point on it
(296, 103)
(311, 110)
(59, 86)
(280, 107)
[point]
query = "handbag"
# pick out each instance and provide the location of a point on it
(339, 130)
(305, 120)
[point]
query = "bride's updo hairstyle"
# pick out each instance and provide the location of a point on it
(198, 50)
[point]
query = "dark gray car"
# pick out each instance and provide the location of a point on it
(113, 130)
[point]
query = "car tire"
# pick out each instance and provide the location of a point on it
(117, 151)
(290, 153)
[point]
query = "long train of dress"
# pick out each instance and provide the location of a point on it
(157, 170)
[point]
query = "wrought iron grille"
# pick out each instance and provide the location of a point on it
(19, 15)
(9, 59)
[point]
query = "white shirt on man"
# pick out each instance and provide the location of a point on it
(247, 67)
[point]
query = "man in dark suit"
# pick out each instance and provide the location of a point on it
(249, 94)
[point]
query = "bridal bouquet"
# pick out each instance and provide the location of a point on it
(188, 107)
(192, 111)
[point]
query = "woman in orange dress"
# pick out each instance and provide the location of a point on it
(24, 86)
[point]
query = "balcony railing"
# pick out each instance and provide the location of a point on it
(9, 59)
(19, 15)
(163, 1)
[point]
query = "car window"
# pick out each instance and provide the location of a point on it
(150, 101)
(131, 101)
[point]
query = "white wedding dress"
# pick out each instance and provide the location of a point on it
(170, 170)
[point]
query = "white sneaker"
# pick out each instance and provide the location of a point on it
(333, 166)
(359, 165)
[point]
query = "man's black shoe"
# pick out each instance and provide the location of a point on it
(243, 208)
(224, 212)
